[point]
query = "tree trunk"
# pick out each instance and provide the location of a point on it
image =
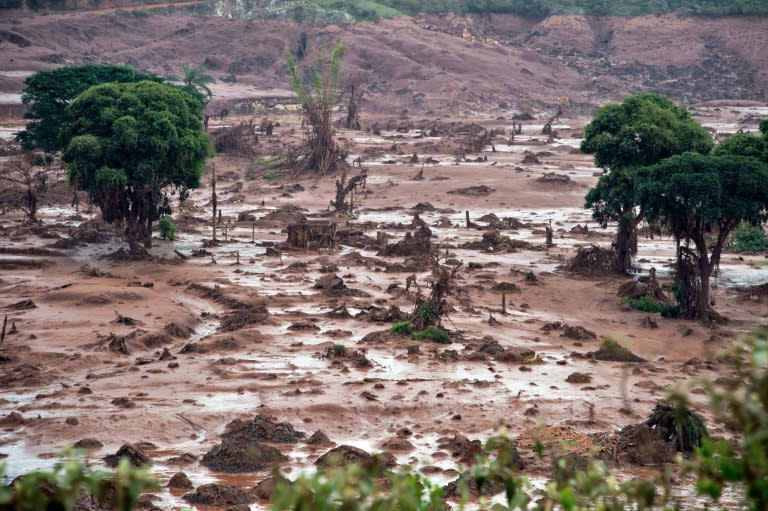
(625, 245)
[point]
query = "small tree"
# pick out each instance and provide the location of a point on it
(318, 98)
(26, 181)
(696, 195)
(129, 143)
(195, 79)
(642, 130)
(47, 94)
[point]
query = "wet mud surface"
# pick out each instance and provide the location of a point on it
(191, 362)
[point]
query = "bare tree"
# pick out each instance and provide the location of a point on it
(318, 97)
(345, 191)
(429, 310)
(24, 182)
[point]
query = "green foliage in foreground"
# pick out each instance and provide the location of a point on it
(72, 482)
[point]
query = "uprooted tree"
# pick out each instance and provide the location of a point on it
(128, 144)
(697, 197)
(318, 97)
(643, 130)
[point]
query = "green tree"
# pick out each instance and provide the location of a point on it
(695, 196)
(195, 78)
(128, 143)
(742, 144)
(643, 130)
(47, 94)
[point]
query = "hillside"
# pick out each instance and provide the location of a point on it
(430, 64)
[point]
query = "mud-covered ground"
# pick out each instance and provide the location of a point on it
(169, 351)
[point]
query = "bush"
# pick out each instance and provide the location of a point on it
(167, 229)
(645, 304)
(432, 333)
(748, 238)
(401, 328)
(71, 482)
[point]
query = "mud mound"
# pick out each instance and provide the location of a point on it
(347, 454)
(261, 429)
(461, 448)
(132, 452)
(474, 191)
(553, 178)
(612, 351)
(493, 241)
(639, 444)
(92, 231)
(417, 244)
(236, 457)
(215, 494)
(286, 215)
(245, 317)
(591, 260)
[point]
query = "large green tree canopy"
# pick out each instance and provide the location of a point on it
(698, 196)
(127, 142)
(642, 130)
(48, 93)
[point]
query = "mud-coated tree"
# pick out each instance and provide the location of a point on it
(318, 97)
(128, 144)
(643, 130)
(700, 196)
(47, 94)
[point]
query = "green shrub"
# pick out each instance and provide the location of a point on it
(401, 328)
(427, 313)
(167, 229)
(748, 238)
(645, 304)
(432, 333)
(271, 175)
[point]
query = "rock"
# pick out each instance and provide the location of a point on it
(135, 456)
(123, 402)
(233, 457)
(611, 350)
(261, 429)
(578, 333)
(176, 330)
(319, 438)
(72, 421)
(88, 443)
(462, 448)
(215, 494)
(267, 487)
(180, 481)
(515, 355)
(330, 282)
(397, 444)
(12, 420)
(578, 378)
(347, 454)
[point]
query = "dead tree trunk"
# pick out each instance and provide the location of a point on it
(346, 190)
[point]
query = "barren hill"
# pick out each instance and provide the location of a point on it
(437, 65)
